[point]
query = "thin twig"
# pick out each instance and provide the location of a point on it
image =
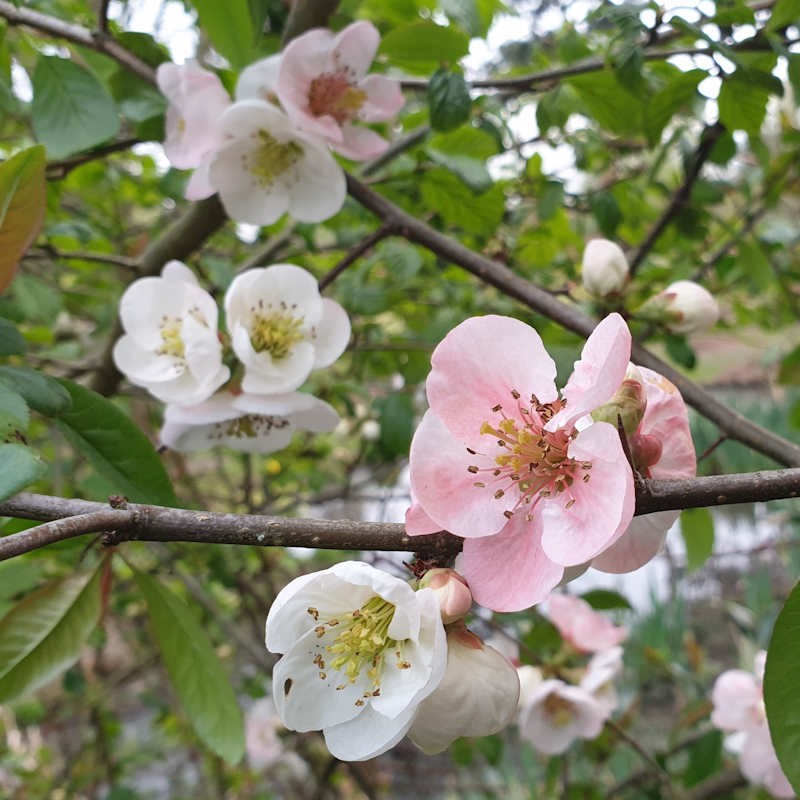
(655, 768)
(352, 255)
(102, 16)
(80, 255)
(711, 448)
(58, 170)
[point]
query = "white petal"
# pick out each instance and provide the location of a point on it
(319, 189)
(332, 334)
(368, 735)
(258, 81)
(142, 366)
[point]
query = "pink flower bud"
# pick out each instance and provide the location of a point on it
(604, 268)
(628, 403)
(455, 598)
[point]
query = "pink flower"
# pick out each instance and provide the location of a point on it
(662, 447)
(523, 474)
(197, 99)
(324, 87)
(581, 626)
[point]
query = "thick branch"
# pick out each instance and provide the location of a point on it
(160, 524)
(99, 41)
(735, 425)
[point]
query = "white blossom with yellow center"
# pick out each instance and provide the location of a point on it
(171, 345)
(361, 650)
(281, 328)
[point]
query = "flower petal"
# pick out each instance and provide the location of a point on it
(368, 735)
(384, 98)
(638, 545)
(331, 335)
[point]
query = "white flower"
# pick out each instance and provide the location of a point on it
(171, 346)
(281, 328)
(246, 422)
(257, 81)
(690, 307)
(261, 726)
(601, 671)
(477, 696)
(604, 268)
(266, 167)
(555, 714)
(361, 650)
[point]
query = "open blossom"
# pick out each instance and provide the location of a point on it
(477, 696)
(247, 422)
(601, 671)
(323, 85)
(523, 474)
(662, 448)
(263, 745)
(553, 714)
(361, 650)
(281, 328)
(171, 345)
(580, 625)
(604, 268)
(265, 167)
(739, 710)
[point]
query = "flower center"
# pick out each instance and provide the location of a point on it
(171, 341)
(332, 93)
(271, 158)
(558, 710)
(532, 460)
(361, 643)
(276, 332)
(248, 426)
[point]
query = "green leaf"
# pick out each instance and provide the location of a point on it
(42, 394)
(43, 634)
(421, 47)
(680, 351)
(465, 141)
(697, 529)
(12, 342)
(22, 206)
(609, 103)
(19, 466)
(471, 170)
(14, 414)
(784, 12)
(742, 104)
(705, 758)
(196, 673)
(229, 27)
(458, 205)
(37, 300)
(71, 110)
(606, 212)
(115, 447)
(667, 101)
(605, 599)
(396, 415)
(789, 371)
(780, 688)
(449, 102)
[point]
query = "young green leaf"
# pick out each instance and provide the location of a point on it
(421, 47)
(42, 394)
(781, 698)
(196, 673)
(19, 466)
(43, 634)
(71, 110)
(22, 205)
(448, 100)
(115, 447)
(229, 26)
(697, 528)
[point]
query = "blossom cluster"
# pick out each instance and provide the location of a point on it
(536, 481)
(738, 700)
(683, 307)
(279, 329)
(268, 150)
(573, 700)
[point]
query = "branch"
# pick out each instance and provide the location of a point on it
(720, 785)
(358, 250)
(710, 136)
(307, 14)
(58, 170)
(735, 425)
(159, 524)
(99, 41)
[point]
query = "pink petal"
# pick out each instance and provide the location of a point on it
(599, 372)
(384, 98)
(418, 523)
(445, 488)
(360, 144)
(639, 544)
(603, 506)
(354, 48)
(478, 365)
(509, 571)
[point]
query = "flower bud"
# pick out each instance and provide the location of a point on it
(604, 268)
(628, 403)
(684, 307)
(476, 697)
(455, 598)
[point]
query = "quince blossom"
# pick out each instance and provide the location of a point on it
(171, 345)
(524, 475)
(265, 167)
(603, 667)
(477, 696)
(662, 448)
(247, 422)
(739, 710)
(281, 328)
(581, 626)
(323, 85)
(604, 268)
(361, 650)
